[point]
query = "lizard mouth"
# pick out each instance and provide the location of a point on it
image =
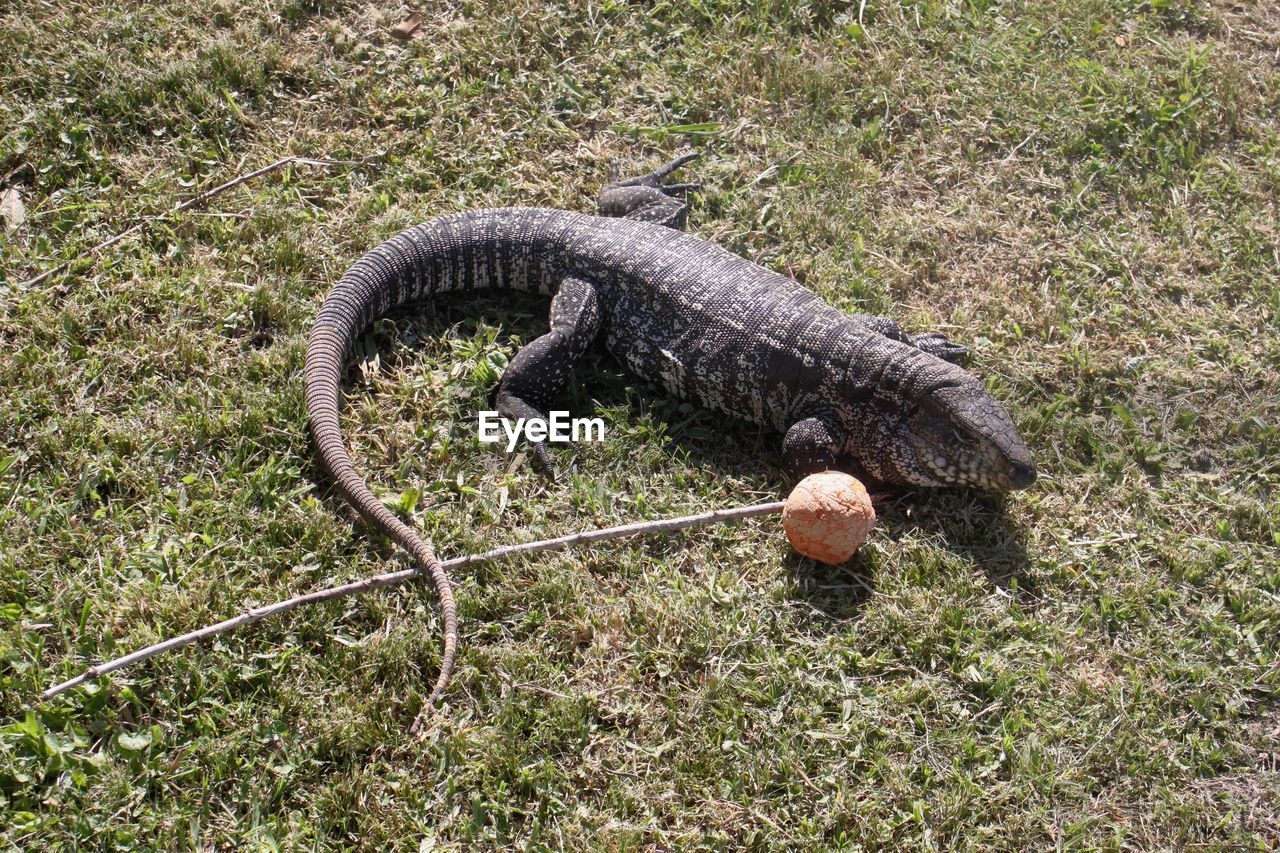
(956, 454)
(990, 472)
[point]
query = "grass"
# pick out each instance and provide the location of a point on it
(1085, 192)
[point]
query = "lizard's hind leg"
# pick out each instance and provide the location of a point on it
(542, 367)
(644, 197)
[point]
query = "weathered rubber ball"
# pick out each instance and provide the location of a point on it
(828, 516)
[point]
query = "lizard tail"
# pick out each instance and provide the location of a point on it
(368, 289)
(508, 249)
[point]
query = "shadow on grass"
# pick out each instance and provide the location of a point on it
(971, 525)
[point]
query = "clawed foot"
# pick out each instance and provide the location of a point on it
(943, 347)
(542, 460)
(654, 179)
(644, 197)
(514, 408)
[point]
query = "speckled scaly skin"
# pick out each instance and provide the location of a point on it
(703, 323)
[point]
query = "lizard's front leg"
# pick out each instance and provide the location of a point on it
(542, 367)
(810, 446)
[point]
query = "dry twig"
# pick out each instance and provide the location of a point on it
(396, 578)
(187, 205)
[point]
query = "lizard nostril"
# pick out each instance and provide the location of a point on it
(1022, 475)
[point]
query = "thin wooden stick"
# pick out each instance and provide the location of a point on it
(396, 578)
(187, 205)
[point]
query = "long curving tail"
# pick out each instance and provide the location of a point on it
(510, 249)
(465, 252)
(344, 315)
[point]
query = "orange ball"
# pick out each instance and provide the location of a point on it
(828, 516)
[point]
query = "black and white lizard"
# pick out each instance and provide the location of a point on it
(707, 325)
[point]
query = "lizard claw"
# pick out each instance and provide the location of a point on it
(542, 460)
(678, 189)
(943, 347)
(654, 179)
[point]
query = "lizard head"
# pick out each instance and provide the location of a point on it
(959, 435)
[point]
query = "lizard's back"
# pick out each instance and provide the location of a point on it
(706, 324)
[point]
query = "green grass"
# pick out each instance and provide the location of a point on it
(1085, 192)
